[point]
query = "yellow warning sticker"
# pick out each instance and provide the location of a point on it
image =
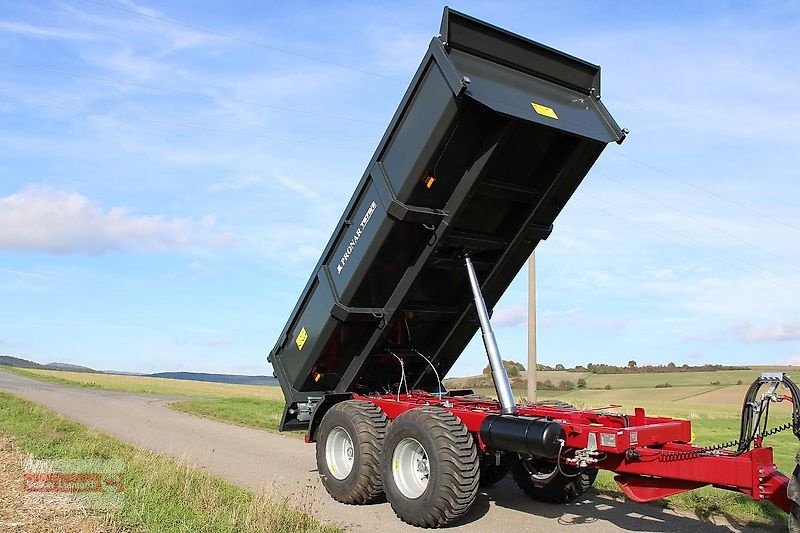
(301, 339)
(544, 110)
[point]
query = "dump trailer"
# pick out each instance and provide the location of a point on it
(489, 142)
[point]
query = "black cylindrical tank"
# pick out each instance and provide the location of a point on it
(533, 436)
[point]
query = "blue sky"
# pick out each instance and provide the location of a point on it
(165, 192)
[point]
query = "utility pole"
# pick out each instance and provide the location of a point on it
(532, 328)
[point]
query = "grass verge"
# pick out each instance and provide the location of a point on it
(160, 495)
(251, 412)
(261, 407)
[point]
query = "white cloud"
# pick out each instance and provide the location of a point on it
(132, 65)
(240, 183)
(221, 341)
(21, 274)
(516, 315)
(142, 10)
(47, 220)
(513, 315)
(29, 30)
(118, 22)
(297, 187)
(788, 331)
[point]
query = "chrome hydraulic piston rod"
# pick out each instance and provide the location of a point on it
(499, 375)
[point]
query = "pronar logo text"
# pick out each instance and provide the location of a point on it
(359, 232)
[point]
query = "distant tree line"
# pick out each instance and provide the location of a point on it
(633, 368)
(513, 369)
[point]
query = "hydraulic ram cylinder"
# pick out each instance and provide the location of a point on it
(499, 375)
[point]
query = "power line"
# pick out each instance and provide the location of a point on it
(701, 247)
(242, 40)
(192, 126)
(216, 121)
(698, 220)
(179, 92)
(707, 191)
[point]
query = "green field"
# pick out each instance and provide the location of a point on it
(713, 409)
(249, 405)
(160, 495)
(679, 379)
(641, 380)
(253, 412)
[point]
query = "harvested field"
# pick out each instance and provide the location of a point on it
(152, 385)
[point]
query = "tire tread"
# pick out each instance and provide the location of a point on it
(458, 468)
(371, 425)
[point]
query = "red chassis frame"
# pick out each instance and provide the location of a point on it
(651, 455)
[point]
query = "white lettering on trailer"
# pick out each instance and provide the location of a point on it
(359, 232)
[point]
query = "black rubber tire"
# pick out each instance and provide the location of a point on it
(452, 461)
(366, 424)
(793, 492)
(491, 472)
(533, 477)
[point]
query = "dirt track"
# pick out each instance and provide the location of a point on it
(286, 466)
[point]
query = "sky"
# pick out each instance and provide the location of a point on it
(170, 172)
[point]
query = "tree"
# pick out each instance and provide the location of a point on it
(671, 365)
(559, 367)
(581, 383)
(512, 369)
(631, 364)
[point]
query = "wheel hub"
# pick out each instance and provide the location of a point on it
(339, 453)
(410, 468)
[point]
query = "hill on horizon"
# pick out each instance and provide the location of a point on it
(237, 379)
(10, 360)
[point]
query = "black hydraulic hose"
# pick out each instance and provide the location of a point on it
(747, 430)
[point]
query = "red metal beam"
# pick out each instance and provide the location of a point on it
(651, 455)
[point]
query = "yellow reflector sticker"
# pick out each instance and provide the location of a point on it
(544, 110)
(301, 339)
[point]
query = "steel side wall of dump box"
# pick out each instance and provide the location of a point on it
(422, 119)
(383, 242)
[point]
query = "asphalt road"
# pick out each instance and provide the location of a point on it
(285, 466)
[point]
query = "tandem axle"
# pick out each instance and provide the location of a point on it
(553, 451)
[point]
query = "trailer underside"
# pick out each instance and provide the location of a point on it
(652, 456)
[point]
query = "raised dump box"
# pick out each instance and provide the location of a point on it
(489, 143)
(491, 139)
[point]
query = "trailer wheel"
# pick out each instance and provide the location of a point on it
(491, 472)
(430, 467)
(793, 492)
(349, 444)
(541, 480)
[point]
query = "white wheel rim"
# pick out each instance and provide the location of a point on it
(339, 453)
(410, 468)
